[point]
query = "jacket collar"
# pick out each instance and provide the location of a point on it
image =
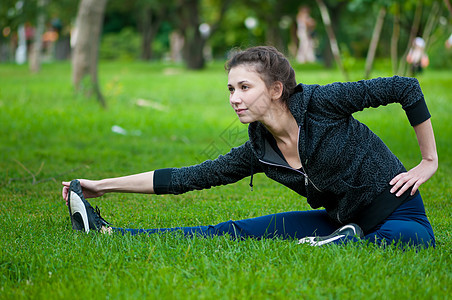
(258, 134)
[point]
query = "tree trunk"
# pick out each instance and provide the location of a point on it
(449, 6)
(331, 37)
(374, 41)
(146, 34)
(413, 33)
(194, 42)
(432, 21)
(273, 35)
(193, 49)
(86, 50)
(36, 50)
(395, 38)
(150, 24)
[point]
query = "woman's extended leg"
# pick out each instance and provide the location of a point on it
(408, 224)
(296, 224)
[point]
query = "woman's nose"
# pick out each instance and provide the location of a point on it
(235, 98)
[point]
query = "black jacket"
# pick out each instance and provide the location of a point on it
(346, 166)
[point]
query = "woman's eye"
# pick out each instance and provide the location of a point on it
(245, 87)
(231, 90)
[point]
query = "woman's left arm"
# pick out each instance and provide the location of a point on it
(428, 166)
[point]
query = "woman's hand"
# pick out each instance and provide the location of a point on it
(89, 189)
(138, 183)
(428, 166)
(414, 177)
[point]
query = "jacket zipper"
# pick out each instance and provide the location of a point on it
(306, 180)
(306, 177)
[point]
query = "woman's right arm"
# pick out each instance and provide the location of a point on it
(138, 183)
(231, 167)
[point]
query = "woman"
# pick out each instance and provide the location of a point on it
(303, 136)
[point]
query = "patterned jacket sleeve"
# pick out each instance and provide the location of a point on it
(239, 163)
(339, 100)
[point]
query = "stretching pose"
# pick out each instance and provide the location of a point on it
(304, 137)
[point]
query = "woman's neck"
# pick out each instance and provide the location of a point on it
(282, 125)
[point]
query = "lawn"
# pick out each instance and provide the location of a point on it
(172, 117)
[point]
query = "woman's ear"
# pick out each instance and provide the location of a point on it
(276, 90)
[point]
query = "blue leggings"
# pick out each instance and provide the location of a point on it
(408, 224)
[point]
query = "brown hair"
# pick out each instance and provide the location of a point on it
(270, 64)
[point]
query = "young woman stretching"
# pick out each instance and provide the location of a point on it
(304, 137)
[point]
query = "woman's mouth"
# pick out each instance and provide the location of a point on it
(240, 111)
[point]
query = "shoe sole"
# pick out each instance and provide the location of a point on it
(77, 212)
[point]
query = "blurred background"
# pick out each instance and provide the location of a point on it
(332, 34)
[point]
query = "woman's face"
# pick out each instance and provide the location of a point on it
(249, 95)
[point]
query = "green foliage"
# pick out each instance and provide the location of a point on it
(353, 22)
(124, 45)
(439, 55)
(48, 135)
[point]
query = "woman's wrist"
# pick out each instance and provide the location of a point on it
(430, 158)
(103, 186)
(431, 161)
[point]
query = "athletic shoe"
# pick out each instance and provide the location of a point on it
(350, 230)
(83, 216)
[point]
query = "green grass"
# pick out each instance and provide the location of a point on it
(48, 134)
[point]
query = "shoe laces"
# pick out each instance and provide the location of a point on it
(99, 220)
(100, 217)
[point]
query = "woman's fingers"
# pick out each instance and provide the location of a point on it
(65, 193)
(65, 190)
(407, 185)
(413, 178)
(397, 182)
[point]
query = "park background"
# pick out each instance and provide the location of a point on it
(144, 88)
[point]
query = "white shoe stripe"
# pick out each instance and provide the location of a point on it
(77, 205)
(320, 243)
(350, 226)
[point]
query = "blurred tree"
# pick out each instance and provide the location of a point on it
(381, 6)
(274, 18)
(13, 15)
(331, 36)
(146, 17)
(36, 49)
(431, 22)
(269, 13)
(420, 18)
(189, 22)
(16, 12)
(224, 28)
(232, 31)
(151, 14)
(36, 15)
(189, 16)
(395, 9)
(374, 41)
(86, 48)
(449, 6)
